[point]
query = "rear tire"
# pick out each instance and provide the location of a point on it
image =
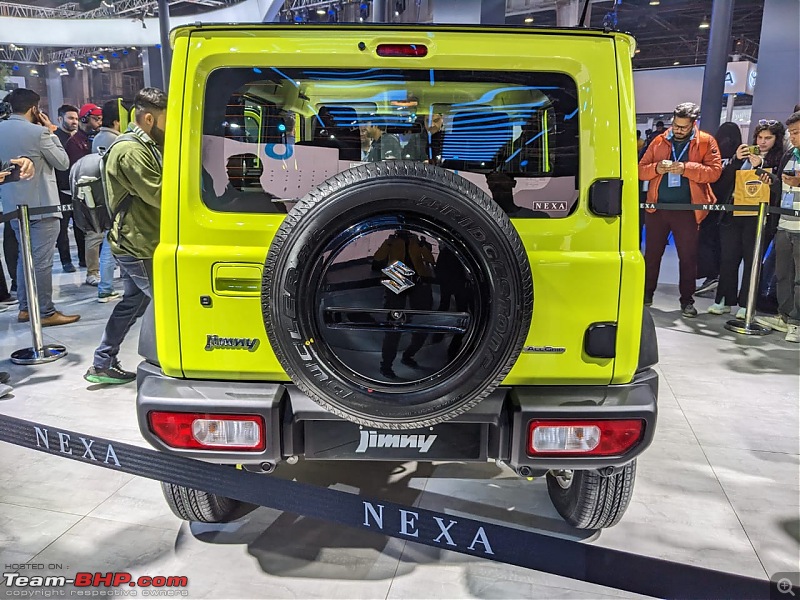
(591, 501)
(195, 505)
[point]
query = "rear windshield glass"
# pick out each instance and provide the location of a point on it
(270, 135)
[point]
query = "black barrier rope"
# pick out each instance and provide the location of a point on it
(541, 552)
(39, 210)
(772, 210)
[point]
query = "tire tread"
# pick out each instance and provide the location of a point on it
(594, 501)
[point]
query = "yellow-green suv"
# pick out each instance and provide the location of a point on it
(402, 243)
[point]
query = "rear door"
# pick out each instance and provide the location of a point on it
(531, 117)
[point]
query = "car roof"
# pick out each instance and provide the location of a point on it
(395, 27)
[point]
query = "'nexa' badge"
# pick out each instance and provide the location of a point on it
(398, 274)
(223, 343)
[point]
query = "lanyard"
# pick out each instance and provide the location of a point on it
(678, 158)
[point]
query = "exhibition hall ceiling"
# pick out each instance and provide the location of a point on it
(668, 32)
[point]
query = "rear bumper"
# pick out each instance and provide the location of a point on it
(496, 429)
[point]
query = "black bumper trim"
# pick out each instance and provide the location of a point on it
(496, 429)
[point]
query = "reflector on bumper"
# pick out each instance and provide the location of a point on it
(590, 438)
(209, 431)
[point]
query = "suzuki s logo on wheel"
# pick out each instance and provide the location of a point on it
(398, 274)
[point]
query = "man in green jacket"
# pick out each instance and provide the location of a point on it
(132, 167)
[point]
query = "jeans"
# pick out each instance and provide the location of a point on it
(137, 275)
(107, 266)
(44, 233)
(787, 271)
(684, 229)
(11, 251)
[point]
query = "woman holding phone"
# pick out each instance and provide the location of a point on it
(738, 233)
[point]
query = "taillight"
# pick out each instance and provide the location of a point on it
(589, 438)
(417, 50)
(209, 431)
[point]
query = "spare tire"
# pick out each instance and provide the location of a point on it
(397, 295)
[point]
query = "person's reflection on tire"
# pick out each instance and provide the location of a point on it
(452, 280)
(415, 253)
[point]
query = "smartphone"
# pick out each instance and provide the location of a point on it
(754, 150)
(772, 177)
(14, 173)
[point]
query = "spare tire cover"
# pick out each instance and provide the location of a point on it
(397, 295)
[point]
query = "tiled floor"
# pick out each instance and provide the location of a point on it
(719, 488)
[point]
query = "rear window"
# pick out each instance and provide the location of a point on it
(270, 135)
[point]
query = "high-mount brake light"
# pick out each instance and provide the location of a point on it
(408, 50)
(585, 438)
(203, 431)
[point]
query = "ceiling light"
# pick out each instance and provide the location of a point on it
(677, 62)
(705, 24)
(637, 51)
(34, 71)
(529, 19)
(655, 2)
(322, 11)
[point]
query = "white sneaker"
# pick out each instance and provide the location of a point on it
(5, 389)
(108, 297)
(718, 309)
(92, 280)
(793, 335)
(741, 314)
(776, 323)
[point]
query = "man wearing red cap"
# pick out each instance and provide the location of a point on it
(79, 145)
(90, 119)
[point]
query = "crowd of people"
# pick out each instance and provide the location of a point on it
(42, 165)
(682, 165)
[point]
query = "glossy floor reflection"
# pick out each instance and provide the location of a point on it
(719, 488)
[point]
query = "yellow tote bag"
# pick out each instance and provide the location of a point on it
(749, 190)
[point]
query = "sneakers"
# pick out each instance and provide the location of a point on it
(776, 323)
(719, 309)
(109, 296)
(92, 280)
(68, 267)
(8, 301)
(793, 335)
(688, 310)
(708, 285)
(741, 313)
(4, 387)
(113, 375)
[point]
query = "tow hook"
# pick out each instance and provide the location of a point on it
(264, 467)
(608, 471)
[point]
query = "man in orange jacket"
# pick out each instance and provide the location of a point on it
(680, 166)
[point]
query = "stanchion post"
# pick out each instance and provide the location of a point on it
(39, 352)
(749, 326)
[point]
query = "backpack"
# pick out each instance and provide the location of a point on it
(89, 209)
